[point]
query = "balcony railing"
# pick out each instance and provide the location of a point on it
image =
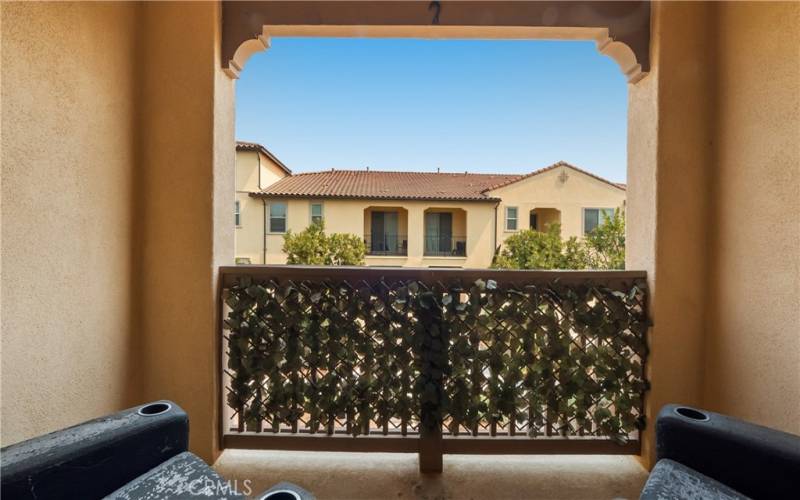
(445, 246)
(386, 244)
(433, 360)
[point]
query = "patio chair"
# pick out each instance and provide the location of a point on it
(140, 452)
(702, 454)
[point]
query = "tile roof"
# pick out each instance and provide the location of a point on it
(388, 185)
(254, 146)
(366, 184)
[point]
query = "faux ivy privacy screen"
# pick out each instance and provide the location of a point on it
(445, 351)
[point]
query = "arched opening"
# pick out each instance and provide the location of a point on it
(439, 222)
(386, 231)
(540, 219)
(445, 232)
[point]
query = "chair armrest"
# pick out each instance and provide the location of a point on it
(92, 459)
(756, 461)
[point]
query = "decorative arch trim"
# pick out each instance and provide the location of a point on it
(621, 29)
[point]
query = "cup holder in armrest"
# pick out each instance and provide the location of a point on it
(154, 409)
(280, 495)
(691, 413)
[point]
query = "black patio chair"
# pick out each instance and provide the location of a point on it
(702, 454)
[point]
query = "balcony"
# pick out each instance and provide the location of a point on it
(433, 361)
(445, 246)
(442, 230)
(386, 244)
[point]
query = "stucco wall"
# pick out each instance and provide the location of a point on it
(187, 153)
(546, 190)
(669, 162)
(254, 171)
(247, 170)
(68, 166)
(753, 347)
(713, 183)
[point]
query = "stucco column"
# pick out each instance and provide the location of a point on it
(416, 235)
(669, 161)
(187, 163)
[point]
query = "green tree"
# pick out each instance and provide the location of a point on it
(530, 249)
(574, 254)
(602, 248)
(605, 245)
(313, 247)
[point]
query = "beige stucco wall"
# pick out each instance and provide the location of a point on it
(668, 174)
(187, 115)
(69, 342)
(713, 183)
(752, 353)
(546, 190)
(254, 171)
(348, 216)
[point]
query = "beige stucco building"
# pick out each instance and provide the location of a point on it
(416, 219)
(256, 169)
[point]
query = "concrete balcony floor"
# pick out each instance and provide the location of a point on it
(334, 476)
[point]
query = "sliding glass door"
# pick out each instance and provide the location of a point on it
(384, 237)
(438, 233)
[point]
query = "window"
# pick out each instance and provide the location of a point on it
(593, 217)
(277, 217)
(511, 218)
(316, 213)
(237, 214)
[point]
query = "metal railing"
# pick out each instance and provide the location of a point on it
(432, 361)
(445, 246)
(386, 244)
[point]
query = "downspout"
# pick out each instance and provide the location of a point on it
(264, 232)
(494, 232)
(264, 209)
(258, 155)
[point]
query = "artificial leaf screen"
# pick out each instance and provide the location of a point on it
(456, 351)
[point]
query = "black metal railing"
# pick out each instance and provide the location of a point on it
(445, 246)
(386, 244)
(433, 360)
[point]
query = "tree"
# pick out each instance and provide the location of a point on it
(602, 248)
(313, 247)
(605, 245)
(530, 249)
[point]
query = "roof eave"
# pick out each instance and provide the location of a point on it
(254, 146)
(258, 194)
(553, 167)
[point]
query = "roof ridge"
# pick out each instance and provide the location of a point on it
(360, 171)
(260, 147)
(559, 163)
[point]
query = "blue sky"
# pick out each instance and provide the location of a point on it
(458, 105)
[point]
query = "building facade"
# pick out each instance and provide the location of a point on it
(412, 219)
(256, 169)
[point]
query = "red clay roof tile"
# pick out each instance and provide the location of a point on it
(387, 185)
(366, 184)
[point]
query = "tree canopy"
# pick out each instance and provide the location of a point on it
(313, 247)
(602, 248)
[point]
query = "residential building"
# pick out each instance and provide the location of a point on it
(416, 219)
(256, 169)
